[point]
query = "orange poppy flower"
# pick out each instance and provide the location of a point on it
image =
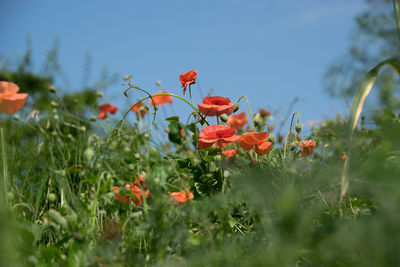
(161, 99)
(10, 100)
(238, 121)
(106, 108)
(182, 196)
(139, 109)
(229, 153)
(258, 140)
(136, 189)
(217, 133)
(216, 105)
(307, 147)
(187, 78)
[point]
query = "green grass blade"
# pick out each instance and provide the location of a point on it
(357, 105)
(397, 13)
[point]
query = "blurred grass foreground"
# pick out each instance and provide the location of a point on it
(83, 184)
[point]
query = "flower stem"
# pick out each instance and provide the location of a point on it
(5, 177)
(251, 114)
(288, 135)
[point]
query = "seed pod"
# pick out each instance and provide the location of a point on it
(224, 117)
(298, 127)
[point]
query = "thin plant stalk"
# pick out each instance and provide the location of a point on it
(5, 173)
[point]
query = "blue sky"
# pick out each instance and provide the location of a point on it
(271, 51)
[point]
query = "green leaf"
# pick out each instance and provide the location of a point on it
(173, 119)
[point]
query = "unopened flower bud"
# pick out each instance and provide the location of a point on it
(99, 94)
(16, 117)
(54, 104)
(137, 156)
(224, 117)
(298, 137)
(218, 157)
(298, 127)
(226, 174)
(88, 154)
(236, 105)
(264, 113)
(143, 174)
(257, 119)
(280, 138)
(271, 138)
(158, 83)
(10, 196)
(52, 89)
(52, 197)
(293, 145)
(93, 118)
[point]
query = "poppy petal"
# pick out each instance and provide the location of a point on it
(206, 143)
(264, 148)
(12, 103)
(8, 88)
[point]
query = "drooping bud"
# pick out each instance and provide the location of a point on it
(298, 127)
(224, 117)
(257, 119)
(293, 145)
(236, 105)
(271, 138)
(52, 89)
(16, 117)
(158, 83)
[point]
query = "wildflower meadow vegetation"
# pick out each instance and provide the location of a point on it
(220, 187)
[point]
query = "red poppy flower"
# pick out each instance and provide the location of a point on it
(229, 153)
(182, 196)
(106, 108)
(135, 188)
(258, 140)
(161, 99)
(139, 109)
(307, 147)
(10, 100)
(238, 121)
(216, 105)
(217, 133)
(187, 78)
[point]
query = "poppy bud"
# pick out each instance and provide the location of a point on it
(363, 117)
(298, 127)
(271, 138)
(52, 89)
(257, 119)
(88, 154)
(298, 137)
(226, 174)
(52, 197)
(10, 196)
(218, 157)
(146, 135)
(224, 117)
(293, 145)
(93, 118)
(236, 105)
(137, 156)
(265, 113)
(16, 117)
(131, 167)
(158, 83)
(83, 128)
(99, 94)
(54, 104)
(143, 174)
